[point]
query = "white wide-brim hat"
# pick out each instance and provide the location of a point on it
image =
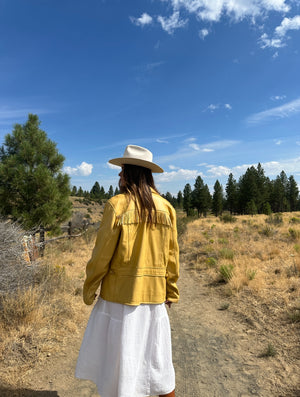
(137, 155)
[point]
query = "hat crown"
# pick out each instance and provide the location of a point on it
(138, 152)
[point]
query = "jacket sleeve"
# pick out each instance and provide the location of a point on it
(98, 265)
(173, 264)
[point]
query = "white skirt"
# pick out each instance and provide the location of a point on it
(126, 350)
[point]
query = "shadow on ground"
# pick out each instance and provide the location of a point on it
(7, 392)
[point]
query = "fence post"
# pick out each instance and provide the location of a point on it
(42, 241)
(70, 229)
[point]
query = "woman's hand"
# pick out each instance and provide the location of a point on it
(168, 303)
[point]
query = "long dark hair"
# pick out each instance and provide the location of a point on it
(138, 182)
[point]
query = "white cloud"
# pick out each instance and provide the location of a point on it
(275, 55)
(153, 65)
(172, 23)
(161, 140)
(237, 10)
(218, 171)
(278, 97)
(143, 20)
(280, 32)
(288, 24)
(84, 169)
(278, 112)
(275, 42)
(212, 107)
(178, 175)
(271, 168)
(203, 33)
(199, 148)
(228, 106)
(278, 142)
(173, 167)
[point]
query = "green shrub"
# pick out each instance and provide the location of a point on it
(211, 262)
(226, 272)
(270, 351)
(226, 253)
(267, 231)
(294, 220)
(275, 219)
(294, 233)
(227, 218)
(251, 274)
(297, 248)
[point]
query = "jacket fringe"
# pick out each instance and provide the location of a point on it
(131, 217)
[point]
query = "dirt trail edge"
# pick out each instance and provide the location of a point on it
(215, 354)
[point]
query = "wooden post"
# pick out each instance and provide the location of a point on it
(70, 229)
(42, 241)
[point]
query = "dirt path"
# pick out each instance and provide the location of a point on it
(215, 354)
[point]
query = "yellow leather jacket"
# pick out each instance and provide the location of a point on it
(136, 263)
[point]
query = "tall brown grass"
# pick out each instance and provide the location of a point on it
(259, 253)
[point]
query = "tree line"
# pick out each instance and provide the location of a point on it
(97, 192)
(253, 193)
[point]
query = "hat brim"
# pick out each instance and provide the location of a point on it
(142, 163)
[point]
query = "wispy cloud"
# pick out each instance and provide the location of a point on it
(162, 140)
(214, 106)
(279, 112)
(178, 175)
(193, 149)
(144, 19)
(278, 97)
(203, 33)
(9, 116)
(84, 169)
(169, 24)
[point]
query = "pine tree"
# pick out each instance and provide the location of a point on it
(293, 193)
(95, 191)
(231, 194)
(179, 199)
(251, 208)
(187, 199)
(79, 192)
(33, 188)
(117, 191)
(217, 200)
(74, 191)
(207, 200)
(110, 192)
(198, 196)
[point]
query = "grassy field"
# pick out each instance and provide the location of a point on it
(252, 262)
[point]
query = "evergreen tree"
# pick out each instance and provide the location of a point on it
(102, 193)
(95, 191)
(187, 199)
(279, 202)
(251, 208)
(179, 199)
(79, 192)
(169, 197)
(33, 188)
(117, 191)
(231, 194)
(110, 192)
(198, 196)
(74, 191)
(206, 200)
(292, 193)
(217, 200)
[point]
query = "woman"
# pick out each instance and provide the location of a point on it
(126, 349)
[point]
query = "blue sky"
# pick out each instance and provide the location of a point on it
(210, 87)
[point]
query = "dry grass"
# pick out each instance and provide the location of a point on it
(264, 257)
(36, 319)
